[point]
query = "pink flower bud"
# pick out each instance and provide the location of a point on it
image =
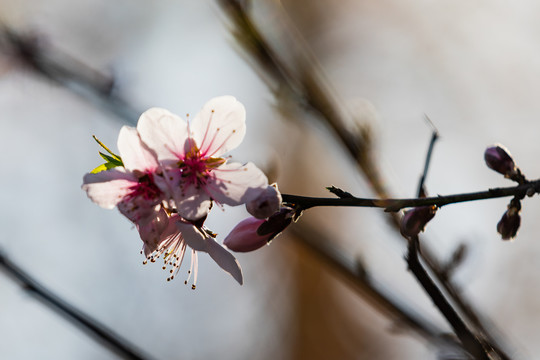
(415, 220)
(498, 158)
(266, 204)
(508, 226)
(276, 223)
(244, 237)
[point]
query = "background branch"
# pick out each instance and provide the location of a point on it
(105, 336)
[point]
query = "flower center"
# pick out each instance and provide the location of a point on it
(196, 168)
(146, 188)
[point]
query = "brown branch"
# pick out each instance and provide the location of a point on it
(392, 205)
(469, 340)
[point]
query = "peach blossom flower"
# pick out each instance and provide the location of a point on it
(191, 156)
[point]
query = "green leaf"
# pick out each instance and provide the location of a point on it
(110, 159)
(116, 157)
(103, 167)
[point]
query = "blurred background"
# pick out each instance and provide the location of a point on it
(471, 67)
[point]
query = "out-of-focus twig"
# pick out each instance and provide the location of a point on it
(32, 51)
(98, 331)
(377, 295)
(306, 86)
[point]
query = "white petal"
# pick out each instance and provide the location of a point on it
(107, 188)
(220, 126)
(234, 184)
(195, 207)
(164, 133)
(135, 155)
(192, 236)
(192, 203)
(225, 260)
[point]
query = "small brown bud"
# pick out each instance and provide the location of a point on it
(508, 226)
(498, 158)
(415, 220)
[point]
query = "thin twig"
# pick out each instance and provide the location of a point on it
(443, 277)
(306, 202)
(434, 137)
(98, 331)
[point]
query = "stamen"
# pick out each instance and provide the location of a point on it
(196, 269)
(203, 141)
(223, 143)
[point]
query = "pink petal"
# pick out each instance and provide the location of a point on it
(151, 230)
(138, 209)
(107, 188)
(135, 155)
(199, 242)
(234, 184)
(164, 133)
(170, 232)
(225, 260)
(220, 126)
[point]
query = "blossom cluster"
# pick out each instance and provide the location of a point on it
(168, 175)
